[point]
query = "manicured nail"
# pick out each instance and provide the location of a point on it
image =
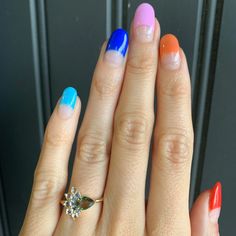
(144, 22)
(117, 47)
(67, 103)
(169, 52)
(215, 202)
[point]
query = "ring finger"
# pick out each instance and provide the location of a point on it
(94, 139)
(168, 211)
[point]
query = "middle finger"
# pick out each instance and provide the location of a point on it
(124, 193)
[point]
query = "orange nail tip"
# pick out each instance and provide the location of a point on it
(169, 44)
(215, 197)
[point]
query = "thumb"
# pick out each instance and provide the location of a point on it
(205, 212)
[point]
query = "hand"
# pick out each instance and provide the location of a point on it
(114, 141)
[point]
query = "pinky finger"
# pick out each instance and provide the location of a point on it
(50, 176)
(205, 212)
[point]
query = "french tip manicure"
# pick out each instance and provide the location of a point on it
(117, 46)
(144, 22)
(216, 196)
(67, 102)
(144, 15)
(215, 202)
(170, 52)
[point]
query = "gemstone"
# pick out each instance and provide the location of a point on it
(68, 211)
(85, 202)
(67, 196)
(65, 203)
(75, 203)
(73, 190)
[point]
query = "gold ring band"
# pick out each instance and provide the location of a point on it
(98, 200)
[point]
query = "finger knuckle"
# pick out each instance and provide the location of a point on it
(47, 186)
(57, 138)
(175, 147)
(154, 230)
(142, 62)
(131, 130)
(177, 86)
(92, 148)
(106, 85)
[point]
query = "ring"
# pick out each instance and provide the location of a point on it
(75, 203)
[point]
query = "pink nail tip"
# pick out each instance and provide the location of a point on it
(144, 16)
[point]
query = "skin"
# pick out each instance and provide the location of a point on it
(112, 154)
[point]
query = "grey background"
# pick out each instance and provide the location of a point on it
(48, 45)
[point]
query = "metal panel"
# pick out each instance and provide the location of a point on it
(202, 83)
(76, 33)
(19, 120)
(220, 162)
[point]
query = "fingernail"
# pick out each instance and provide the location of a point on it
(144, 22)
(215, 202)
(117, 47)
(169, 52)
(67, 103)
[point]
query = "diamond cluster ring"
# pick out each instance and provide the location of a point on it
(75, 203)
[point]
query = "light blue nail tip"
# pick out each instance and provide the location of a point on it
(69, 97)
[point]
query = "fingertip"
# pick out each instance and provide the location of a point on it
(157, 30)
(183, 57)
(199, 214)
(77, 108)
(144, 23)
(170, 52)
(68, 103)
(116, 48)
(103, 47)
(78, 104)
(206, 211)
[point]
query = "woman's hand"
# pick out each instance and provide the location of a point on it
(114, 141)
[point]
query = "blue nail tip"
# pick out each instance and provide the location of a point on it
(69, 97)
(118, 41)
